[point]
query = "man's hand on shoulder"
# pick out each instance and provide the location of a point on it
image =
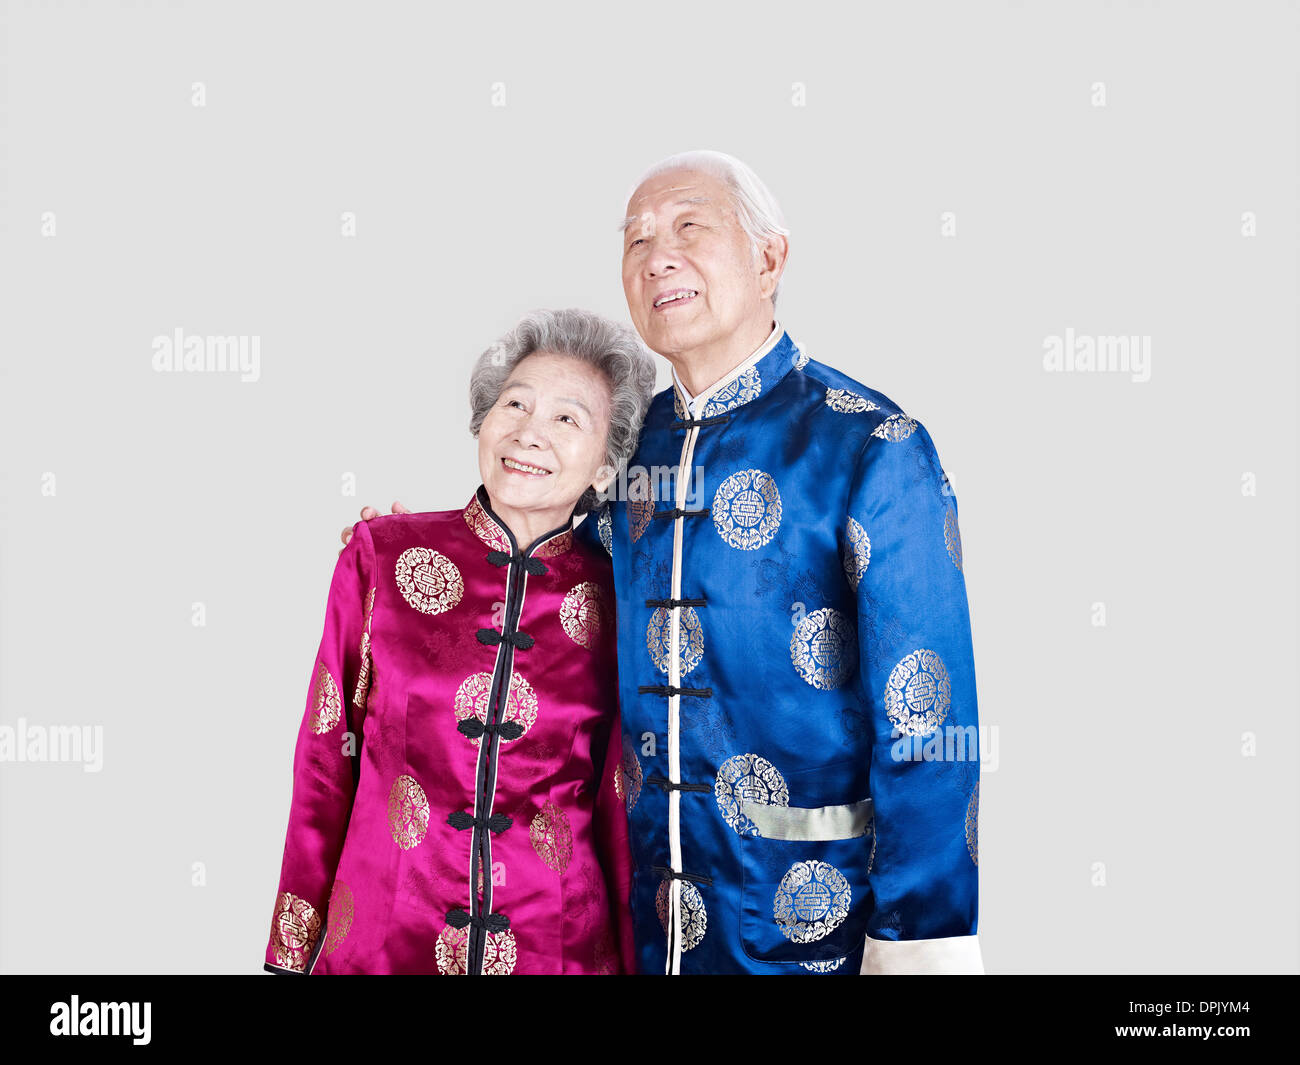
(366, 514)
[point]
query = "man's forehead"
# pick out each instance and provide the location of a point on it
(669, 189)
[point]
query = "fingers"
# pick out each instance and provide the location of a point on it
(368, 512)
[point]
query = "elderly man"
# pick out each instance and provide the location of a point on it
(797, 685)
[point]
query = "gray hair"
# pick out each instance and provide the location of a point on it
(756, 208)
(614, 350)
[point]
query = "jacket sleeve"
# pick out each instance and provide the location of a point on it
(326, 763)
(903, 551)
(614, 851)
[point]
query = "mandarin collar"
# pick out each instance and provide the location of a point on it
(778, 355)
(488, 527)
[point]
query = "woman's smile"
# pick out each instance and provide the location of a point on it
(523, 469)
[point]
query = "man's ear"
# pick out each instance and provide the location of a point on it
(771, 264)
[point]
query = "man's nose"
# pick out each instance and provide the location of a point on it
(661, 260)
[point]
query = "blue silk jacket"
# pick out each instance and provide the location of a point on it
(797, 685)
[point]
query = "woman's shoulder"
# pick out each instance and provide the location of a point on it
(425, 527)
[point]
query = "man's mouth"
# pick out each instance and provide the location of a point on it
(675, 298)
(523, 467)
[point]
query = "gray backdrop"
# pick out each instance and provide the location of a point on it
(964, 181)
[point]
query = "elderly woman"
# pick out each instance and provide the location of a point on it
(454, 806)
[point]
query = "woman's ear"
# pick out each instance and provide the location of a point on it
(604, 477)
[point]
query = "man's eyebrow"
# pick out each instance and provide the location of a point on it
(622, 226)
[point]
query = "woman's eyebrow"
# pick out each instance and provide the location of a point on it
(562, 399)
(576, 403)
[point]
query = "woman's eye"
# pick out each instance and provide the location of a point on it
(513, 402)
(569, 416)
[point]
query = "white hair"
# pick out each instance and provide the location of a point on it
(756, 208)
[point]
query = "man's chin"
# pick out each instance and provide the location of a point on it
(669, 339)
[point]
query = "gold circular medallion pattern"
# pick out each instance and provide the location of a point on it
(582, 612)
(327, 707)
(452, 952)
(339, 922)
(472, 697)
(551, 837)
(363, 676)
(640, 505)
(295, 927)
(627, 778)
(408, 812)
(429, 581)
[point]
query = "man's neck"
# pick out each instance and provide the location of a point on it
(701, 368)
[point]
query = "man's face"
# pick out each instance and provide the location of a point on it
(685, 239)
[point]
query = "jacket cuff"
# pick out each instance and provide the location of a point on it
(281, 972)
(951, 954)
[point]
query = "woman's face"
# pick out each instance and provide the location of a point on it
(552, 417)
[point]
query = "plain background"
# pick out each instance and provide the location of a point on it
(1119, 744)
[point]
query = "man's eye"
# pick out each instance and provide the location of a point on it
(635, 242)
(569, 416)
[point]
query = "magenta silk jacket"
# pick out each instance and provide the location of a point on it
(454, 803)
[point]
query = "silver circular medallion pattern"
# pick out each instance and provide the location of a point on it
(824, 648)
(748, 778)
(811, 901)
(918, 694)
(747, 509)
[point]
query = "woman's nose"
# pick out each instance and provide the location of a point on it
(529, 433)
